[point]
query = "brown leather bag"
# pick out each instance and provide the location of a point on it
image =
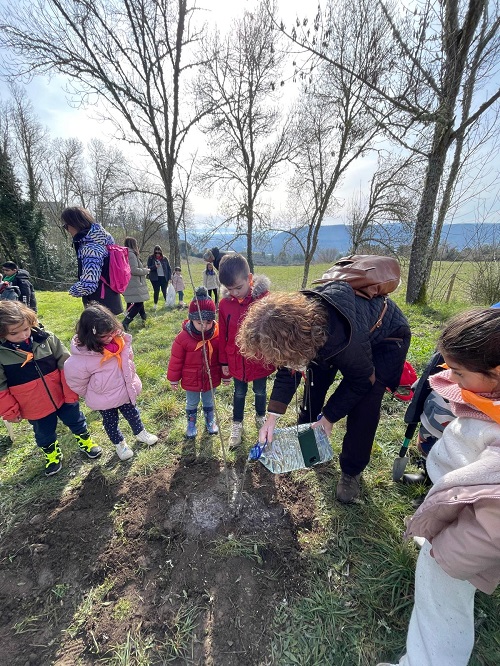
(368, 274)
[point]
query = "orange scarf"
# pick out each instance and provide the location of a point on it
(106, 354)
(208, 342)
(488, 406)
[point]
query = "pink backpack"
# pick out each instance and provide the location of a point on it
(119, 269)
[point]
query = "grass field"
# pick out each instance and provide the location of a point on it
(350, 587)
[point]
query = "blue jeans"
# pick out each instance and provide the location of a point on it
(240, 393)
(193, 398)
(110, 421)
(181, 296)
(69, 413)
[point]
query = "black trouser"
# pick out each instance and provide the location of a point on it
(362, 419)
(134, 309)
(215, 296)
(160, 283)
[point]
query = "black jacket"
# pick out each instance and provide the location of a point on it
(351, 349)
(22, 280)
(153, 273)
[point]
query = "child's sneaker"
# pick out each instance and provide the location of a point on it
(53, 457)
(155, 307)
(88, 447)
(123, 451)
(146, 437)
(236, 433)
(259, 421)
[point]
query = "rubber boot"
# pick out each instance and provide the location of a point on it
(210, 423)
(191, 431)
(126, 322)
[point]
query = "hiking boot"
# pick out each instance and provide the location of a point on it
(191, 430)
(146, 437)
(53, 457)
(235, 436)
(126, 322)
(123, 451)
(88, 447)
(210, 423)
(259, 421)
(348, 488)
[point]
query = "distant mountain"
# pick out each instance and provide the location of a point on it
(337, 236)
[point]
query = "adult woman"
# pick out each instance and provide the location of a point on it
(89, 241)
(159, 274)
(136, 292)
(317, 333)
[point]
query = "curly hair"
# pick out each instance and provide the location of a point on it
(14, 313)
(283, 330)
(472, 339)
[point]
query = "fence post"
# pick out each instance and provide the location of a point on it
(450, 287)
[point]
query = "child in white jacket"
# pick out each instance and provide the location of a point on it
(211, 282)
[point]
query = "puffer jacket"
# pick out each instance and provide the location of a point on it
(33, 386)
(362, 357)
(231, 313)
(137, 288)
(103, 385)
(93, 261)
(178, 282)
(187, 360)
(21, 279)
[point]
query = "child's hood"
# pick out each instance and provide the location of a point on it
(84, 351)
(261, 285)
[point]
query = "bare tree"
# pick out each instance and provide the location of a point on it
(132, 55)
(108, 180)
(248, 138)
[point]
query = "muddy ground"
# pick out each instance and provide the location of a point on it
(154, 561)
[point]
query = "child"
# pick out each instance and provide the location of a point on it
(178, 284)
(211, 282)
(197, 342)
(101, 369)
(460, 517)
(33, 385)
(241, 291)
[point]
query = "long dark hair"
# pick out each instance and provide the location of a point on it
(472, 339)
(157, 248)
(95, 321)
(132, 244)
(77, 217)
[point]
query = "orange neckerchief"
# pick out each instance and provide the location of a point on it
(29, 356)
(488, 406)
(208, 342)
(106, 354)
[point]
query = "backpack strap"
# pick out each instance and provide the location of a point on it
(378, 323)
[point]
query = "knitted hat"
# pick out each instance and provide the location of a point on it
(206, 305)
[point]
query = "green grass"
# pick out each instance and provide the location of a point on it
(355, 607)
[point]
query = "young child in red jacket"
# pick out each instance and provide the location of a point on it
(195, 353)
(241, 290)
(33, 384)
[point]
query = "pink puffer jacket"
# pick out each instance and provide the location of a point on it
(103, 385)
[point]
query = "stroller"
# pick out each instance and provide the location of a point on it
(429, 411)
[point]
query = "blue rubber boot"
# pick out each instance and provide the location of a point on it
(191, 431)
(210, 423)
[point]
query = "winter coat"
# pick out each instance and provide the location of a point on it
(362, 357)
(217, 256)
(21, 279)
(231, 313)
(93, 261)
(461, 514)
(187, 362)
(153, 273)
(137, 288)
(211, 280)
(103, 385)
(33, 387)
(178, 282)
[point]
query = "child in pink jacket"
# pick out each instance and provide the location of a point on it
(101, 370)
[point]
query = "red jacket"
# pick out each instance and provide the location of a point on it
(187, 361)
(231, 313)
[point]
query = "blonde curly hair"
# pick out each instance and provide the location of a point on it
(283, 330)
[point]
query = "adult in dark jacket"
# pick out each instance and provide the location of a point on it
(160, 274)
(20, 278)
(137, 291)
(316, 334)
(90, 241)
(214, 256)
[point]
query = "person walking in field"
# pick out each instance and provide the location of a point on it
(178, 285)
(211, 282)
(33, 384)
(101, 369)
(159, 274)
(136, 293)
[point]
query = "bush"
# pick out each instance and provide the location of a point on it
(485, 284)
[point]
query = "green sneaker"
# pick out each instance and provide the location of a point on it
(87, 446)
(53, 457)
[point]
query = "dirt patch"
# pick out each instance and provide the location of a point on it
(162, 562)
